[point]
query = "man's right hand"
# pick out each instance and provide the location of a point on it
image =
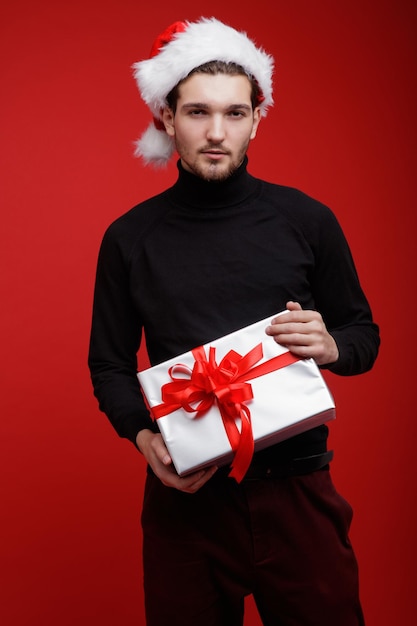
(155, 452)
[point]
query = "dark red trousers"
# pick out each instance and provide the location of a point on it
(283, 540)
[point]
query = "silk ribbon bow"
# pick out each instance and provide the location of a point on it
(224, 384)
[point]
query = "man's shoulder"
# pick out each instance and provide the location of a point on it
(296, 204)
(292, 197)
(139, 218)
(130, 227)
(143, 212)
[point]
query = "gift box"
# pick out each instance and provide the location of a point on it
(220, 402)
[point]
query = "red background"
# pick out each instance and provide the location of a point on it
(343, 130)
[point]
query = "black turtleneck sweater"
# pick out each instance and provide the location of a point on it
(203, 259)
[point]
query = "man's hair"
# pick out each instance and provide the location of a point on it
(213, 68)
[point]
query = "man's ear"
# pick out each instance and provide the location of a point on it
(256, 120)
(168, 120)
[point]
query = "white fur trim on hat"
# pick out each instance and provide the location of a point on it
(200, 42)
(154, 146)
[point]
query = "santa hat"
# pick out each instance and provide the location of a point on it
(177, 51)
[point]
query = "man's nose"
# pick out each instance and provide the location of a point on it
(216, 129)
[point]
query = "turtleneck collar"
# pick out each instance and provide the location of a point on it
(194, 192)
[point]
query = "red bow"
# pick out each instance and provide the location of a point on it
(224, 384)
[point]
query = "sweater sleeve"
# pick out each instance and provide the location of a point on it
(115, 339)
(341, 301)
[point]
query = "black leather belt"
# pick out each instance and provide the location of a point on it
(292, 467)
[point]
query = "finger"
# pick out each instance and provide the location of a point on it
(288, 330)
(294, 339)
(293, 306)
(299, 346)
(165, 458)
(161, 451)
(194, 482)
(294, 312)
(303, 352)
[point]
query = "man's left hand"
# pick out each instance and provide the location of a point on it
(304, 333)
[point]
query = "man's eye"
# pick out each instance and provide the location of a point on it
(197, 112)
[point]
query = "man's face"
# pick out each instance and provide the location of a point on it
(213, 124)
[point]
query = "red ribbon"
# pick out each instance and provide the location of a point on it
(226, 385)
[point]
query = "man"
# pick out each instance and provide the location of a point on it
(216, 252)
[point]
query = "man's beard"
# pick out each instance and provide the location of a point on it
(213, 171)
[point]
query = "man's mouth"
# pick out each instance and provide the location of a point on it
(214, 153)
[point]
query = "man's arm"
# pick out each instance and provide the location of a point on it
(115, 338)
(338, 314)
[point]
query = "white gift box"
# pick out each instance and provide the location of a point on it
(285, 402)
